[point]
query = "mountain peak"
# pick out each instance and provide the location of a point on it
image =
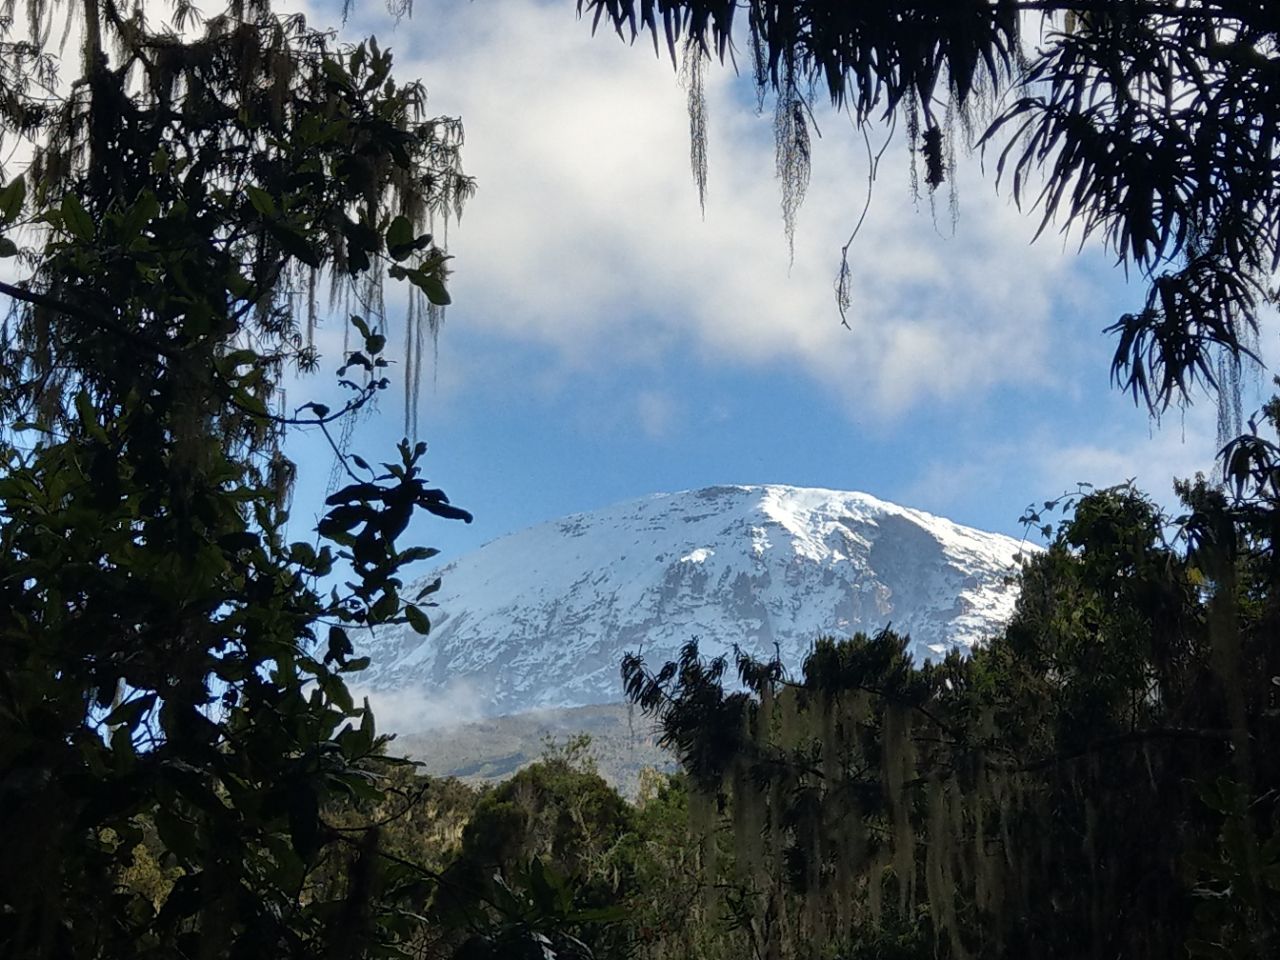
(541, 618)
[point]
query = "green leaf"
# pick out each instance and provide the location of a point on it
(343, 518)
(239, 540)
(432, 286)
(418, 553)
(354, 493)
(12, 198)
(542, 886)
(428, 281)
(130, 712)
(295, 243)
(261, 201)
(236, 359)
(184, 898)
(385, 607)
(400, 238)
(334, 72)
(237, 285)
(417, 620)
(445, 510)
(177, 834)
(75, 219)
(368, 725)
(142, 212)
(89, 416)
(123, 748)
(8, 248)
(339, 645)
(251, 403)
(357, 359)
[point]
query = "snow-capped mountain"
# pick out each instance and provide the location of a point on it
(541, 618)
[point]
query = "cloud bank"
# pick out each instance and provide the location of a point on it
(586, 236)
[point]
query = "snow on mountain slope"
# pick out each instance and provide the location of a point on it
(541, 618)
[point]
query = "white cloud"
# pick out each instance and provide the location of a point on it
(1168, 451)
(988, 483)
(657, 413)
(586, 242)
(586, 234)
(414, 710)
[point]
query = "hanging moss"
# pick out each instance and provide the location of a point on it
(941, 851)
(875, 889)
(692, 76)
(792, 154)
(898, 759)
(788, 720)
(749, 814)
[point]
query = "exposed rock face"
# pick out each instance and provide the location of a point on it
(542, 618)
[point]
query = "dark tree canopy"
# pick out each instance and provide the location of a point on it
(1098, 781)
(1145, 124)
(172, 665)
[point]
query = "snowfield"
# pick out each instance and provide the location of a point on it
(541, 618)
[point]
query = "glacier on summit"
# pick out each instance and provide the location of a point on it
(542, 618)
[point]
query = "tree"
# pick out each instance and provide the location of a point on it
(544, 854)
(171, 665)
(1099, 780)
(1148, 125)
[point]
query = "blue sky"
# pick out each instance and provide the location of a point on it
(607, 341)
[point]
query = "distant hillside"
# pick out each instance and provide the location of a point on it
(493, 749)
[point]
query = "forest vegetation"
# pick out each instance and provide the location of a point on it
(183, 770)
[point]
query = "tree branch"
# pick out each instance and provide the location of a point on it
(1120, 740)
(76, 313)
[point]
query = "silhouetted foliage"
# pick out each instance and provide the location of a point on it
(1146, 124)
(1099, 780)
(174, 716)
